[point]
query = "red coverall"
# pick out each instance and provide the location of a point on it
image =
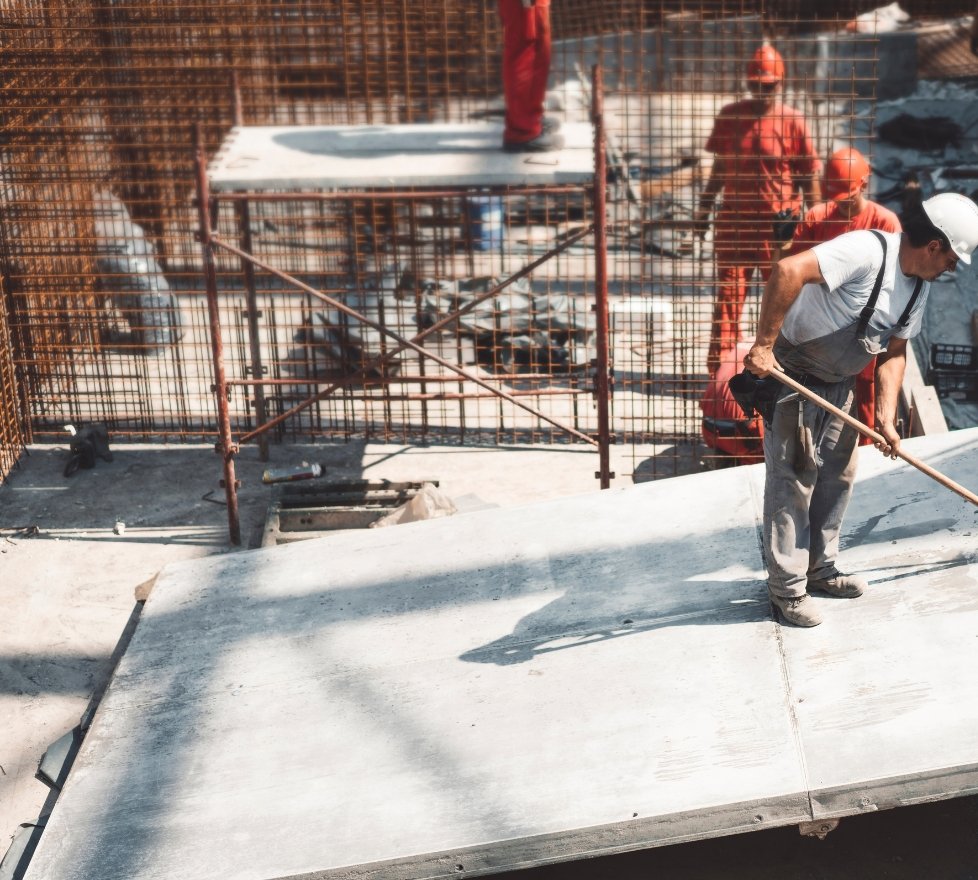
(760, 158)
(725, 428)
(526, 66)
(822, 223)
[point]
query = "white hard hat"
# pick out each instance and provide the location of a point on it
(957, 217)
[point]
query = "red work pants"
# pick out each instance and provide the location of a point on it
(866, 399)
(732, 285)
(526, 66)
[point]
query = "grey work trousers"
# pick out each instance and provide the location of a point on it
(806, 489)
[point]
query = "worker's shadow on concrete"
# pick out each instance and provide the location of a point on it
(681, 458)
(622, 592)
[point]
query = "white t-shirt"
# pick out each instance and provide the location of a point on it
(849, 264)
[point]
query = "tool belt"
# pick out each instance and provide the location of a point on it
(760, 396)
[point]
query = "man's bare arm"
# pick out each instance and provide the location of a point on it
(783, 286)
(890, 366)
(701, 220)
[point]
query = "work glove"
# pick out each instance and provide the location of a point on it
(755, 396)
(784, 225)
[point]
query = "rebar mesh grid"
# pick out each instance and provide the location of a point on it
(106, 313)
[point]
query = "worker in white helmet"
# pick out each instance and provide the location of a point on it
(825, 313)
(846, 207)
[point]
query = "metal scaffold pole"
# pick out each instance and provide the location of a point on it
(225, 445)
(602, 377)
(242, 213)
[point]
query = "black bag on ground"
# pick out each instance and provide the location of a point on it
(89, 443)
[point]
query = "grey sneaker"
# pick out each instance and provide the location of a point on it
(799, 610)
(544, 142)
(843, 586)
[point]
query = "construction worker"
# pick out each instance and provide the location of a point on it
(846, 208)
(526, 67)
(765, 167)
(735, 439)
(825, 313)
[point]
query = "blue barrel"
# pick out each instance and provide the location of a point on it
(485, 220)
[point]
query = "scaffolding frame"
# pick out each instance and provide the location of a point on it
(211, 242)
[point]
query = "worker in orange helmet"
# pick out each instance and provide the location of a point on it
(766, 168)
(846, 208)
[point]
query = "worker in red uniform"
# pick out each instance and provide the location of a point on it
(846, 208)
(765, 166)
(735, 439)
(526, 67)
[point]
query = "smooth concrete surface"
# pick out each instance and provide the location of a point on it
(352, 156)
(885, 692)
(527, 685)
(67, 577)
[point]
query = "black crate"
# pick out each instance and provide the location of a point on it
(957, 384)
(946, 355)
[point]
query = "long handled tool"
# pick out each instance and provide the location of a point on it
(876, 438)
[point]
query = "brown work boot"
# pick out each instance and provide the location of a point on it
(842, 586)
(799, 610)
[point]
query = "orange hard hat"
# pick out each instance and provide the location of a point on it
(845, 174)
(767, 65)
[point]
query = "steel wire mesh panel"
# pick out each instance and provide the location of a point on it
(378, 272)
(701, 168)
(13, 438)
(101, 264)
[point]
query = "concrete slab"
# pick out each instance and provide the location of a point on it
(528, 685)
(487, 690)
(67, 591)
(372, 156)
(885, 693)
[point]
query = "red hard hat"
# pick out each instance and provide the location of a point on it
(767, 65)
(845, 174)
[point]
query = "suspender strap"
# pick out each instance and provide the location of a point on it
(870, 307)
(905, 317)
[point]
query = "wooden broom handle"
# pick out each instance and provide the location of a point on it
(944, 480)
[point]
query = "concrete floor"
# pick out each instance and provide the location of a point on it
(68, 592)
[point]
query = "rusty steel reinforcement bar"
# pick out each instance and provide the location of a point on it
(226, 446)
(945, 481)
(602, 380)
(389, 355)
(402, 342)
(242, 211)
